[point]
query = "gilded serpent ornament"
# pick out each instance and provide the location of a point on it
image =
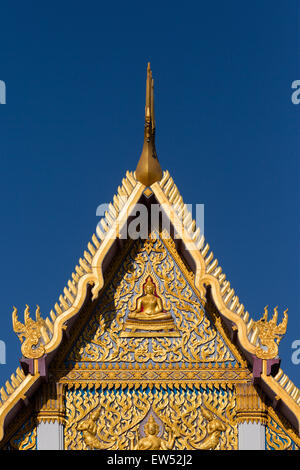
(270, 334)
(30, 333)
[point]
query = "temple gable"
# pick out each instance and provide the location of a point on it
(148, 347)
(181, 332)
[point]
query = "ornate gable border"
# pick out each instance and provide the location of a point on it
(89, 272)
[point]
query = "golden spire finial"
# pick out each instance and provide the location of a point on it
(148, 170)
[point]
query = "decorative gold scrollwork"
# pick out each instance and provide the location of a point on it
(25, 437)
(150, 419)
(185, 332)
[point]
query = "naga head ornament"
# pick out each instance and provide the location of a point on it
(270, 334)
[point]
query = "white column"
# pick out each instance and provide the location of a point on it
(251, 436)
(50, 436)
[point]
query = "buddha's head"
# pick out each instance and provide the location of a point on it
(152, 427)
(149, 286)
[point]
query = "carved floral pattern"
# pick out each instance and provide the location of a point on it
(199, 340)
(115, 418)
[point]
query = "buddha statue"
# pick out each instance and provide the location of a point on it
(152, 441)
(148, 317)
(149, 306)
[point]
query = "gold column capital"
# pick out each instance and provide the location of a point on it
(250, 405)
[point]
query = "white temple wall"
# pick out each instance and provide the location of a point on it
(50, 436)
(251, 436)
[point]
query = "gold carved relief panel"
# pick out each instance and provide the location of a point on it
(153, 418)
(150, 313)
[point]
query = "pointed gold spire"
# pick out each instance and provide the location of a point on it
(148, 170)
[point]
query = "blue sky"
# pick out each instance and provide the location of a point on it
(226, 130)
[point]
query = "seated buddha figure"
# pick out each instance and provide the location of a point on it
(149, 306)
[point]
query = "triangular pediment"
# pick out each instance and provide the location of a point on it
(148, 335)
(198, 334)
(177, 328)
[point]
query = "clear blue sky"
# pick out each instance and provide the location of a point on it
(226, 130)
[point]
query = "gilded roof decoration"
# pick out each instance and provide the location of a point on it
(152, 323)
(269, 334)
(148, 169)
(89, 272)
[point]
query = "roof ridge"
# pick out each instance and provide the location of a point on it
(89, 270)
(85, 264)
(211, 264)
(288, 386)
(11, 385)
(230, 299)
(16, 388)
